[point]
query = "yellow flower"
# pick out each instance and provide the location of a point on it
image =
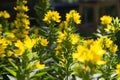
(44, 42)
(118, 69)
(114, 48)
(22, 20)
(62, 36)
(81, 53)
(106, 20)
(26, 23)
(108, 42)
(29, 43)
(63, 61)
(92, 52)
(64, 25)
(88, 42)
(74, 16)
(4, 14)
(101, 62)
(74, 38)
(10, 35)
(21, 48)
(19, 52)
(25, 8)
(21, 8)
(79, 56)
(2, 50)
(9, 53)
(58, 47)
(38, 65)
(96, 51)
(3, 46)
(23, 15)
(52, 16)
(109, 28)
(86, 68)
(57, 53)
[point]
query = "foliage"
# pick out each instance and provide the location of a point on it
(54, 50)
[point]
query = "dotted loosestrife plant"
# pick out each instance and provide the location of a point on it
(55, 51)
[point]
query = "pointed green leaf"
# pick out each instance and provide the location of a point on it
(11, 71)
(39, 74)
(14, 65)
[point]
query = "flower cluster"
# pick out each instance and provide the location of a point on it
(3, 45)
(92, 52)
(22, 20)
(109, 27)
(22, 46)
(52, 16)
(106, 20)
(4, 14)
(17, 46)
(42, 41)
(73, 15)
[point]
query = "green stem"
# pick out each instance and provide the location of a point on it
(51, 34)
(67, 69)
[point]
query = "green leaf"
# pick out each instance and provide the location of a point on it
(11, 71)
(39, 74)
(14, 65)
(2, 65)
(50, 77)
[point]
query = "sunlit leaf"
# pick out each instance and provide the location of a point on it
(14, 65)
(11, 71)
